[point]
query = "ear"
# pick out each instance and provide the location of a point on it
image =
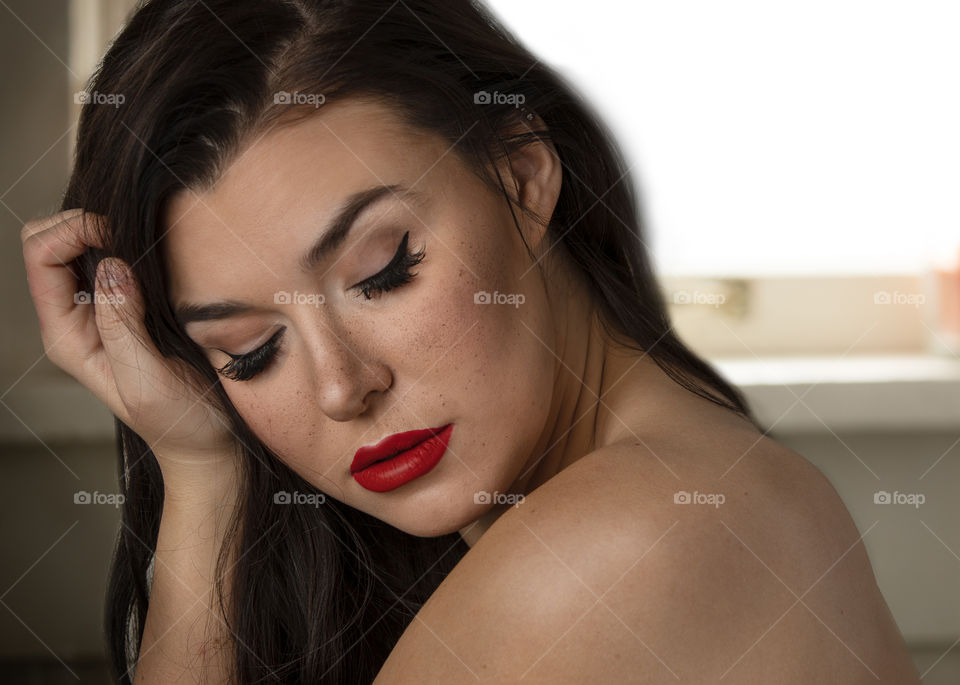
(535, 177)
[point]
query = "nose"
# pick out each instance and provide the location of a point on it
(347, 380)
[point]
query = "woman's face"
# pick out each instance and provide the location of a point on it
(347, 370)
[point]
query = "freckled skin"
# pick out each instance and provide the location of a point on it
(519, 383)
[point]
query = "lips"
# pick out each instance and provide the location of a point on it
(390, 446)
(400, 458)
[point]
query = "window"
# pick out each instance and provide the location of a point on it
(774, 138)
(796, 161)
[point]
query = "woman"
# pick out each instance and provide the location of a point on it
(397, 396)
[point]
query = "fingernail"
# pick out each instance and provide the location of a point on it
(115, 274)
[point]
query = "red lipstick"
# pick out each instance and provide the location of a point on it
(399, 458)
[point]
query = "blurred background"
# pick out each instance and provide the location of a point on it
(798, 167)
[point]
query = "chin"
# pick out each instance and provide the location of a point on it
(425, 528)
(428, 522)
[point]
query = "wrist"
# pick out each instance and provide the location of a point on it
(187, 482)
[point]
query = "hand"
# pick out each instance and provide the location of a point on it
(100, 339)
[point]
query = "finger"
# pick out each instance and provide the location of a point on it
(61, 238)
(45, 222)
(128, 371)
(119, 323)
(49, 245)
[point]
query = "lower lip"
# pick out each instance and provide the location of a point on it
(403, 468)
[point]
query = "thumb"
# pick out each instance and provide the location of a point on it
(118, 306)
(126, 345)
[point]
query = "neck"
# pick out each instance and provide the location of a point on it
(594, 402)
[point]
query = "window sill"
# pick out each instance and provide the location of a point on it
(852, 393)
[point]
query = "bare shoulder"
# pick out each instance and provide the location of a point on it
(640, 564)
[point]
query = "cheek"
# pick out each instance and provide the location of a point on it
(277, 415)
(488, 331)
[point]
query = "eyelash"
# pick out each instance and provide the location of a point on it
(242, 367)
(394, 274)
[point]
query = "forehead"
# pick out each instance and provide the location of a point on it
(286, 179)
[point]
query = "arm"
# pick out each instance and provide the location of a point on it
(104, 344)
(185, 637)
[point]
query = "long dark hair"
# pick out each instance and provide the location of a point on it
(326, 591)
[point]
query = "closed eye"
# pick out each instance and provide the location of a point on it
(243, 367)
(394, 274)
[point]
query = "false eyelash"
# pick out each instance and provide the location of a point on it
(394, 274)
(242, 367)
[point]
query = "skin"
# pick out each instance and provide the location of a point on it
(521, 385)
(607, 580)
(513, 380)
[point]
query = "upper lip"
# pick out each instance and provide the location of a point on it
(391, 446)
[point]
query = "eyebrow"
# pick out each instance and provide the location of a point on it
(329, 242)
